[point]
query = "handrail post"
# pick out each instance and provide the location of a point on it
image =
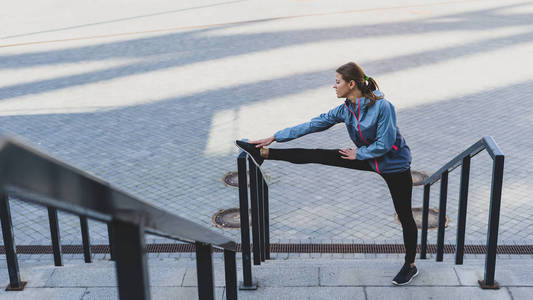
(425, 212)
(442, 214)
(110, 238)
(494, 221)
(245, 224)
(15, 284)
(261, 202)
(56, 238)
(267, 221)
(461, 217)
(85, 239)
(230, 268)
(131, 264)
(255, 212)
(204, 271)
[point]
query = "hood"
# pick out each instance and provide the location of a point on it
(379, 93)
(365, 101)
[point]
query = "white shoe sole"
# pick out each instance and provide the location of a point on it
(249, 155)
(406, 283)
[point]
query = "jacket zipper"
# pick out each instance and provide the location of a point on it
(359, 128)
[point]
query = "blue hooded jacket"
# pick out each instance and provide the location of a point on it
(373, 130)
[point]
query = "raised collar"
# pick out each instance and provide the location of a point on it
(363, 101)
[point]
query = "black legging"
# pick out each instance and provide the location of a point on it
(400, 185)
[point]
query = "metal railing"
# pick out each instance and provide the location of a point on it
(260, 218)
(38, 178)
(463, 159)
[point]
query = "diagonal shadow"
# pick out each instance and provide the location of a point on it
(136, 147)
(123, 19)
(192, 47)
(402, 62)
(202, 48)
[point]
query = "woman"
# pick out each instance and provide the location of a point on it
(371, 124)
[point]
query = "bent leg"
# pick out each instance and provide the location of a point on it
(401, 189)
(330, 157)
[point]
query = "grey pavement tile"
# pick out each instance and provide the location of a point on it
(520, 292)
(43, 293)
(370, 255)
(164, 275)
(36, 275)
(103, 293)
(437, 293)
(355, 276)
(177, 293)
(512, 275)
(190, 278)
(312, 293)
(380, 273)
(78, 276)
(265, 275)
(282, 276)
(435, 275)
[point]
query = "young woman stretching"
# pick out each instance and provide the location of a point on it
(371, 124)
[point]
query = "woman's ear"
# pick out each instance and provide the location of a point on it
(352, 84)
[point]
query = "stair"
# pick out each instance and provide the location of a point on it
(282, 278)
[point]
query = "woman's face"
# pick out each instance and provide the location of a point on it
(341, 87)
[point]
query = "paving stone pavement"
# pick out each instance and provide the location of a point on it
(151, 97)
(280, 278)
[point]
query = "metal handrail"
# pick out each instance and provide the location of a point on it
(36, 177)
(463, 159)
(31, 174)
(486, 142)
(259, 206)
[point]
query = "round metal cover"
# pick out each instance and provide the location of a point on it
(232, 179)
(229, 218)
(433, 218)
(418, 177)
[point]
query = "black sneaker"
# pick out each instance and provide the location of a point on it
(253, 152)
(405, 275)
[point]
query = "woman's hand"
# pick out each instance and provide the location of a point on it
(348, 153)
(263, 142)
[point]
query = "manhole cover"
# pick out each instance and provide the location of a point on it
(232, 179)
(418, 177)
(433, 218)
(229, 218)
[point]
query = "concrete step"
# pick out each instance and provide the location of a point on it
(297, 278)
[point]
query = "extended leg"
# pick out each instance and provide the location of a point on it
(330, 157)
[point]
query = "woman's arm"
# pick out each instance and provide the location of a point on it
(320, 123)
(385, 136)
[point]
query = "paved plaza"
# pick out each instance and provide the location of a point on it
(151, 96)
